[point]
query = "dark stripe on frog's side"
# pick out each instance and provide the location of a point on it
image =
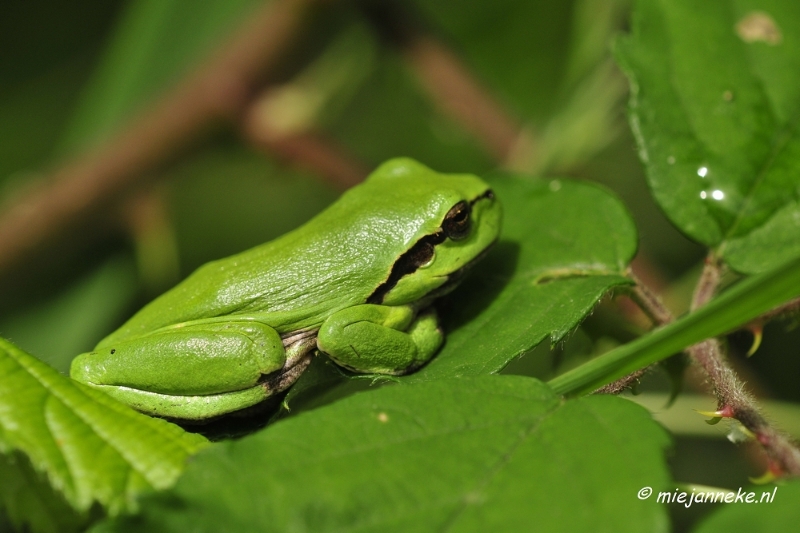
(415, 257)
(408, 263)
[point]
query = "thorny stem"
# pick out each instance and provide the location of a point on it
(622, 384)
(708, 283)
(733, 400)
(649, 302)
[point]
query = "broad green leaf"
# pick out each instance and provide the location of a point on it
(155, 42)
(564, 245)
(735, 307)
(92, 448)
(715, 102)
(497, 453)
(780, 514)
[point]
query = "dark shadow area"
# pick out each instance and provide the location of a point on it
(480, 287)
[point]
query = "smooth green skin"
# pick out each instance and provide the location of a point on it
(241, 329)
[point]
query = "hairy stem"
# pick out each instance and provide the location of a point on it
(649, 302)
(733, 400)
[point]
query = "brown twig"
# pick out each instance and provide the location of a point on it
(458, 94)
(219, 90)
(448, 81)
(305, 149)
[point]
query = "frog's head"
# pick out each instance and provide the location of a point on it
(451, 221)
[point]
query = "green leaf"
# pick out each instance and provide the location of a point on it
(92, 448)
(497, 453)
(780, 514)
(564, 245)
(715, 103)
(733, 308)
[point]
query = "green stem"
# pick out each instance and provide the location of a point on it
(742, 303)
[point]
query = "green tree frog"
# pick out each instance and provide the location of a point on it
(355, 283)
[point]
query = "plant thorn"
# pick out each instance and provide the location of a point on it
(772, 473)
(757, 330)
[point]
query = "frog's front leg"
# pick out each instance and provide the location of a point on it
(380, 339)
(197, 370)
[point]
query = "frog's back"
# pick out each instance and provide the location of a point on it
(334, 261)
(291, 283)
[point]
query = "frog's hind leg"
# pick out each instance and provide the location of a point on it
(198, 370)
(195, 360)
(202, 408)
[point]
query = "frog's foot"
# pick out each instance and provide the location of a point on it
(378, 339)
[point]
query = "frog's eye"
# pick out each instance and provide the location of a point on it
(457, 221)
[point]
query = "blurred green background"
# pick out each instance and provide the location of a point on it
(74, 73)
